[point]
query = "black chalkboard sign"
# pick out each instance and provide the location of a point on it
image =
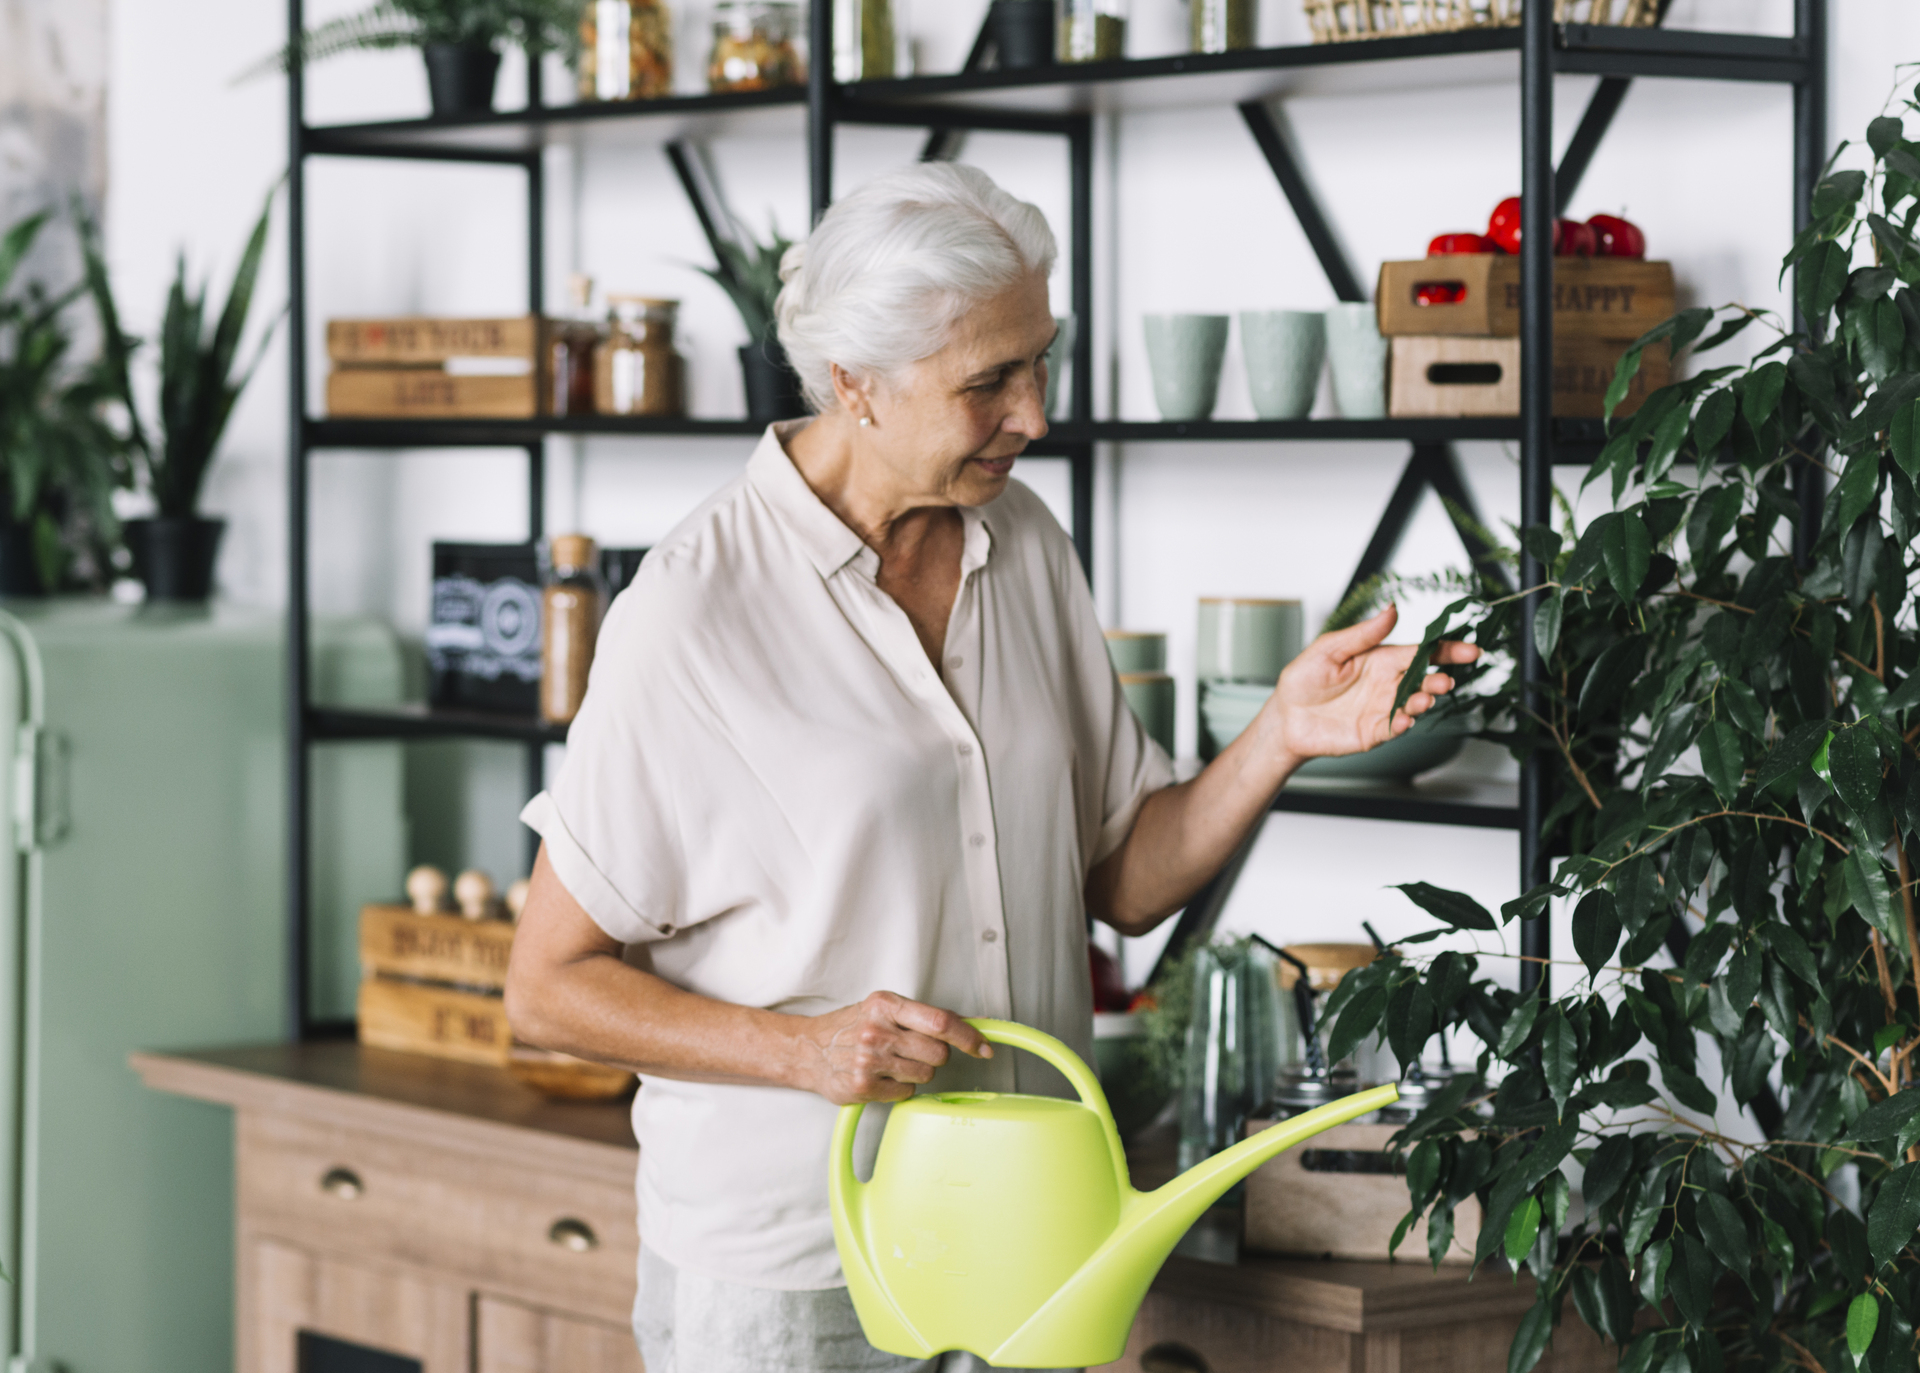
(483, 636)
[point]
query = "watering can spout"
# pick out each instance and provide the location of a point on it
(1116, 1277)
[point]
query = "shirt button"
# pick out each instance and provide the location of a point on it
(990, 936)
(966, 750)
(979, 841)
(956, 661)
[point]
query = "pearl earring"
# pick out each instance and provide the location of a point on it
(865, 420)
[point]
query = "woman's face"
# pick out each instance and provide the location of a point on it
(947, 428)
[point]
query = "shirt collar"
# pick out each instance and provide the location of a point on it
(828, 543)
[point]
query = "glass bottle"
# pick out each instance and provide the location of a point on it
(635, 368)
(1233, 1047)
(1093, 30)
(626, 50)
(570, 609)
(864, 42)
(756, 46)
(571, 340)
(1223, 25)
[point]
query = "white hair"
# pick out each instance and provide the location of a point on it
(888, 271)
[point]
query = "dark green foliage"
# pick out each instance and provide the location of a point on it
(199, 383)
(1732, 727)
(749, 273)
(59, 460)
(537, 25)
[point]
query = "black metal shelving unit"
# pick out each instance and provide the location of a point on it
(1059, 101)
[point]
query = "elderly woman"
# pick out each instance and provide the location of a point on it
(854, 765)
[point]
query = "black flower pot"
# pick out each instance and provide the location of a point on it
(19, 569)
(460, 77)
(174, 558)
(1022, 32)
(773, 387)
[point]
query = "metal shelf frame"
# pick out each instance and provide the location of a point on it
(1059, 101)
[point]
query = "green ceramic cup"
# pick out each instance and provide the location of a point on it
(1284, 351)
(1137, 650)
(1151, 696)
(1184, 353)
(1244, 640)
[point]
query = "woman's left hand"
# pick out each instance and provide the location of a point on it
(1336, 697)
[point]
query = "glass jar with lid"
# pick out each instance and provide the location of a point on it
(1223, 25)
(865, 44)
(636, 369)
(757, 45)
(570, 342)
(626, 50)
(1093, 30)
(570, 609)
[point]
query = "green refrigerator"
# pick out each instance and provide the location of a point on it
(143, 802)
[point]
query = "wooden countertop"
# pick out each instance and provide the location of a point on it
(484, 1107)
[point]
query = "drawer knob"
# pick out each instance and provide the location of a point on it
(343, 1184)
(574, 1235)
(1169, 1357)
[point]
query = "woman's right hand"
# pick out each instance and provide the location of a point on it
(882, 1048)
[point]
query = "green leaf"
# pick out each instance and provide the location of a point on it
(1895, 1214)
(1792, 950)
(1853, 760)
(1624, 371)
(1724, 1231)
(1762, 394)
(1530, 1341)
(1440, 1233)
(1723, 757)
(1905, 439)
(1690, 1282)
(1612, 673)
(1790, 759)
(1546, 623)
(1822, 277)
(1456, 908)
(1628, 549)
(1518, 1027)
(1880, 337)
(1360, 1019)
(1868, 894)
(1559, 1056)
(1713, 422)
(1840, 191)
(1596, 930)
(1863, 1319)
(1607, 1170)
(1529, 906)
(1423, 1172)
(1883, 135)
(1883, 1119)
(1687, 1089)
(1668, 436)
(1655, 1265)
(1523, 1228)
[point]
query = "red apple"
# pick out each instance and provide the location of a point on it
(1617, 237)
(1109, 987)
(1503, 226)
(1571, 238)
(1451, 245)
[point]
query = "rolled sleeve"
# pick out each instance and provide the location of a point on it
(584, 880)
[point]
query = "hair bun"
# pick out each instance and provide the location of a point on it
(792, 262)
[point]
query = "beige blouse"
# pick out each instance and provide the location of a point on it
(774, 798)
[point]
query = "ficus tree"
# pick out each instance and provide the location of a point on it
(1729, 703)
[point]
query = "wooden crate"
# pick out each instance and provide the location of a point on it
(399, 942)
(417, 340)
(1454, 377)
(1593, 297)
(428, 393)
(417, 1018)
(1292, 1209)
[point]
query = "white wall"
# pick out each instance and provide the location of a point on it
(1197, 222)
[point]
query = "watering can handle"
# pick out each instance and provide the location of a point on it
(1045, 1047)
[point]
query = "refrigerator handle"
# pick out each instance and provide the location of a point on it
(40, 788)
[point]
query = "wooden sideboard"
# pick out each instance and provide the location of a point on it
(442, 1213)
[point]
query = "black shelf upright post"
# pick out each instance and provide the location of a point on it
(299, 851)
(534, 754)
(1537, 206)
(820, 97)
(1809, 160)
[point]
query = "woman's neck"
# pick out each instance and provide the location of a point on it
(862, 492)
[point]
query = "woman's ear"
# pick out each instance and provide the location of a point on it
(854, 394)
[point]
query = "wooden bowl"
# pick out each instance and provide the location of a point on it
(568, 1078)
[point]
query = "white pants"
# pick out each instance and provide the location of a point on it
(690, 1323)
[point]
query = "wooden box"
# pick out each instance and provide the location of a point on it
(1296, 1204)
(400, 942)
(429, 393)
(1593, 297)
(416, 341)
(416, 1017)
(1453, 377)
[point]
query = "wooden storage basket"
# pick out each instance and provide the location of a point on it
(1340, 21)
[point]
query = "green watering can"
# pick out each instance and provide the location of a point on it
(1004, 1225)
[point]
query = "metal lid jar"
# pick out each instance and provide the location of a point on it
(636, 370)
(756, 46)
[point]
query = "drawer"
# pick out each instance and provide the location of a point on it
(564, 1240)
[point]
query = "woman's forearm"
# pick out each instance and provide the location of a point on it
(1185, 833)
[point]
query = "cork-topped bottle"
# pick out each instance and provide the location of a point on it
(570, 621)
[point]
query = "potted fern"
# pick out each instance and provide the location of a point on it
(1708, 1135)
(458, 39)
(59, 460)
(749, 272)
(201, 378)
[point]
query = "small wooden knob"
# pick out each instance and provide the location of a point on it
(574, 1235)
(342, 1184)
(517, 897)
(427, 889)
(473, 893)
